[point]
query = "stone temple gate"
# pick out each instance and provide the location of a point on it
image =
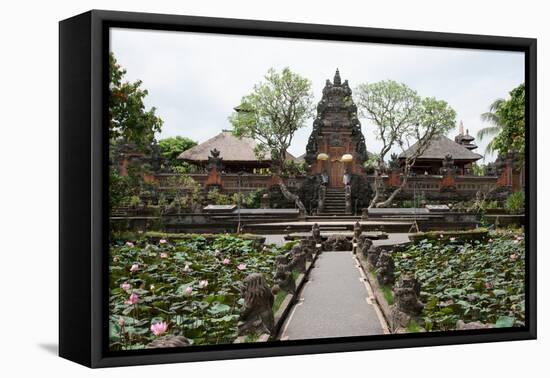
(336, 145)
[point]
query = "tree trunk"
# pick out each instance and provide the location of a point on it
(292, 197)
(376, 191)
(390, 199)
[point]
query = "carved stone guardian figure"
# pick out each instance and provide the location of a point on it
(337, 243)
(406, 294)
(372, 254)
(363, 245)
(316, 234)
(308, 247)
(385, 269)
(256, 315)
(298, 259)
(283, 276)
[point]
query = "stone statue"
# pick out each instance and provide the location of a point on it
(372, 254)
(308, 247)
(363, 245)
(169, 341)
(448, 165)
(406, 295)
(298, 259)
(385, 269)
(394, 161)
(337, 243)
(283, 276)
(316, 233)
(256, 314)
(214, 161)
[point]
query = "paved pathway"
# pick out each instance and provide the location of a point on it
(335, 302)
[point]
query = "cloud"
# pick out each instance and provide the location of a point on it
(195, 80)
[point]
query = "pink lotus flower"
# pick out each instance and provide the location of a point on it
(186, 268)
(189, 290)
(126, 286)
(241, 266)
(203, 284)
(488, 285)
(162, 241)
(519, 237)
(129, 244)
(226, 261)
(452, 239)
(163, 255)
(134, 268)
(133, 299)
(159, 328)
(121, 321)
(490, 240)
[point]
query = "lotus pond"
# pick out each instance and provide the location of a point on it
(481, 280)
(189, 287)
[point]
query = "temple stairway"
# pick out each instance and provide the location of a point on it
(335, 202)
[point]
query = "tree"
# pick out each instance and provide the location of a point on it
(171, 148)
(511, 115)
(128, 117)
(507, 119)
(272, 113)
(402, 118)
(129, 123)
(495, 127)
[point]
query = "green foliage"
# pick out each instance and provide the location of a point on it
(119, 188)
(479, 169)
(278, 301)
(128, 118)
(273, 111)
(511, 115)
(392, 107)
(215, 197)
(516, 202)
(207, 315)
(172, 147)
(372, 162)
(251, 200)
(469, 281)
(293, 169)
(407, 204)
(507, 119)
(182, 191)
(388, 294)
(413, 327)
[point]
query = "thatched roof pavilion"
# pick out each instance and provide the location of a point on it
(238, 154)
(432, 159)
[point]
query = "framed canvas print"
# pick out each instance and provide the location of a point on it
(235, 188)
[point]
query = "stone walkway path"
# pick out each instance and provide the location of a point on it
(335, 302)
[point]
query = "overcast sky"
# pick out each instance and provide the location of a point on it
(195, 80)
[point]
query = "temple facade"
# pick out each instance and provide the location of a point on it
(336, 181)
(336, 146)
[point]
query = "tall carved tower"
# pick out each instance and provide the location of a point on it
(336, 144)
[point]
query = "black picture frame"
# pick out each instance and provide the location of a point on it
(83, 210)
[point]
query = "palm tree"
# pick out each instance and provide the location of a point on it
(496, 126)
